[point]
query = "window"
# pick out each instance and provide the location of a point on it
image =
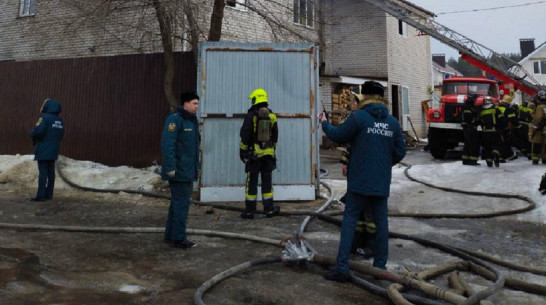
(304, 13)
(539, 67)
(402, 28)
(238, 4)
(27, 8)
(469, 88)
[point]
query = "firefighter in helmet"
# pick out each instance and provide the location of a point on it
(259, 135)
(508, 124)
(490, 117)
(537, 132)
(471, 149)
(521, 128)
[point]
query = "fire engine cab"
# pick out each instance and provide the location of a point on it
(445, 131)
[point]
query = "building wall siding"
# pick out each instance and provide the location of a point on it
(540, 55)
(410, 64)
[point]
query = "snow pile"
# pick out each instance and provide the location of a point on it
(23, 171)
(20, 170)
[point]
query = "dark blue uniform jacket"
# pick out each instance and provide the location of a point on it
(377, 144)
(180, 143)
(49, 132)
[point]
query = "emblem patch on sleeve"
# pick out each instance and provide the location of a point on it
(172, 127)
(39, 122)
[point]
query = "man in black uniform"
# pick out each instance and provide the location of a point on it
(506, 129)
(259, 135)
(490, 117)
(471, 149)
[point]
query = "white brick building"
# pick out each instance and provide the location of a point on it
(362, 42)
(357, 40)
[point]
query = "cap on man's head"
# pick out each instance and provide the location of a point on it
(373, 88)
(188, 96)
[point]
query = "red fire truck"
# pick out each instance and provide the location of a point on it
(445, 130)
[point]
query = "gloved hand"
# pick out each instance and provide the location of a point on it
(243, 154)
(170, 174)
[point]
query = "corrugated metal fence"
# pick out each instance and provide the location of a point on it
(113, 107)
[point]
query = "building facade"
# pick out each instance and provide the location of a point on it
(535, 63)
(364, 43)
(357, 41)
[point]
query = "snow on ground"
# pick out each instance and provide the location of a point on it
(23, 170)
(515, 177)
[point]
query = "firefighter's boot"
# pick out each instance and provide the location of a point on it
(496, 159)
(271, 210)
(250, 208)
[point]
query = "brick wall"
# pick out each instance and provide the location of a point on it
(355, 39)
(63, 29)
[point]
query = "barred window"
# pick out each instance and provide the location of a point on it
(304, 12)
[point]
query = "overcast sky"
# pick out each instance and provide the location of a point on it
(498, 29)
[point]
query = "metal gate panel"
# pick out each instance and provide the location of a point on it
(220, 141)
(228, 72)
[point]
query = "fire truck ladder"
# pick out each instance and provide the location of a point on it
(471, 51)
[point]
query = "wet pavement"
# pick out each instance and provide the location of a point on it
(53, 267)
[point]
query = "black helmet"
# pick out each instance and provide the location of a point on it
(541, 95)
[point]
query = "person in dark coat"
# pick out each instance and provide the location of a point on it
(492, 119)
(377, 143)
(180, 142)
(471, 148)
(46, 137)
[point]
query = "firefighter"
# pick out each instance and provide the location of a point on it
(537, 135)
(259, 135)
(507, 123)
(489, 117)
(521, 128)
(471, 149)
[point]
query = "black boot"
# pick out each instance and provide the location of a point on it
(496, 160)
(274, 212)
(250, 208)
(270, 210)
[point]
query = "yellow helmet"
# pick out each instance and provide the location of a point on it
(258, 96)
(507, 99)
